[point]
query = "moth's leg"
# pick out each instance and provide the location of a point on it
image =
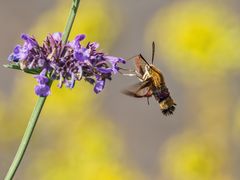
(128, 70)
(148, 101)
(146, 74)
(131, 74)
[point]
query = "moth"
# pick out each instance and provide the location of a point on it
(151, 83)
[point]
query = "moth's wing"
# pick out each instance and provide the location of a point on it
(140, 64)
(146, 92)
(139, 90)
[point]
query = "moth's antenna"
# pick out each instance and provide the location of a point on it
(148, 101)
(144, 60)
(153, 51)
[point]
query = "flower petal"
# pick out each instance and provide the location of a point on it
(57, 36)
(82, 54)
(19, 53)
(41, 78)
(31, 42)
(105, 70)
(42, 90)
(99, 86)
(75, 44)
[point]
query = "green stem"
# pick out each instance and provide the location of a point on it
(71, 17)
(39, 105)
(26, 138)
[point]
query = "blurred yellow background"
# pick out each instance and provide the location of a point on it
(113, 137)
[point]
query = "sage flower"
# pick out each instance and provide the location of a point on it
(66, 63)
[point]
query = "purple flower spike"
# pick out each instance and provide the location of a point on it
(66, 63)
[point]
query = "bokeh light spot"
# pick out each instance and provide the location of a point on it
(197, 38)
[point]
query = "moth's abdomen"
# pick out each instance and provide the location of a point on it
(161, 93)
(167, 104)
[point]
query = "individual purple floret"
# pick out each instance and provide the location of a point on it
(42, 89)
(66, 63)
(22, 52)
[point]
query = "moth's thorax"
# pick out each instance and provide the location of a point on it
(146, 74)
(156, 76)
